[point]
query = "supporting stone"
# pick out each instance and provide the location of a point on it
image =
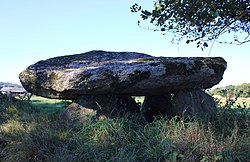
(181, 103)
(76, 113)
(156, 105)
(109, 105)
(192, 102)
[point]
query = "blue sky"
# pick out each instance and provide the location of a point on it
(32, 30)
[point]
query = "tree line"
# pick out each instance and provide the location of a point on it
(242, 90)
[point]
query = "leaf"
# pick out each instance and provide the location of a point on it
(203, 34)
(146, 13)
(205, 44)
(200, 29)
(163, 29)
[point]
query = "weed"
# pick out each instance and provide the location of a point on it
(41, 136)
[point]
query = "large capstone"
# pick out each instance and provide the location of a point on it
(120, 73)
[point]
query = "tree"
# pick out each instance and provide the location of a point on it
(199, 21)
(242, 90)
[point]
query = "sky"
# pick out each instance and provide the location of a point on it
(32, 30)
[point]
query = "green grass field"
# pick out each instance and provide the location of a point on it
(48, 105)
(29, 133)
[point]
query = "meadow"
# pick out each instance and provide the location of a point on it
(33, 131)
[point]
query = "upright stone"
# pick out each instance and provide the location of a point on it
(156, 105)
(76, 113)
(188, 103)
(192, 102)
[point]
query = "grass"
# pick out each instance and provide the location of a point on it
(48, 105)
(29, 133)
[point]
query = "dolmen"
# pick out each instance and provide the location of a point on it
(107, 81)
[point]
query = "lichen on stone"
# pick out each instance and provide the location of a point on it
(53, 77)
(125, 73)
(217, 64)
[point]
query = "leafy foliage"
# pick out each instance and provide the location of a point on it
(199, 21)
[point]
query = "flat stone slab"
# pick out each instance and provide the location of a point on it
(120, 73)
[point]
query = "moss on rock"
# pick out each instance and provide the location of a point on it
(123, 73)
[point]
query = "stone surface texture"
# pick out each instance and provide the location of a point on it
(181, 103)
(191, 103)
(121, 73)
(76, 113)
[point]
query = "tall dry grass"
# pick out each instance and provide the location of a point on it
(27, 134)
